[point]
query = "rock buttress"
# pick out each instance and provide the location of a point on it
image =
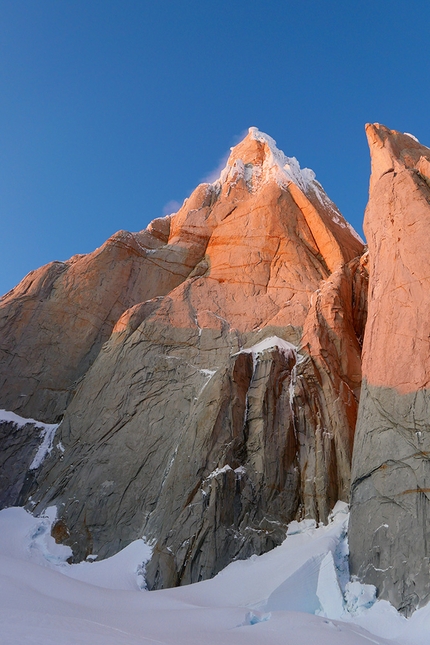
(390, 512)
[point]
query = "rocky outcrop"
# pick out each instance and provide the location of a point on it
(53, 324)
(389, 528)
(24, 444)
(221, 407)
(332, 337)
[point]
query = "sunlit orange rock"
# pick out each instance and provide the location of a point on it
(391, 477)
(53, 324)
(267, 234)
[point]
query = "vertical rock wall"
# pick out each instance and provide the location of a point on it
(390, 511)
(53, 324)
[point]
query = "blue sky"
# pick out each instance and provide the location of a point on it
(111, 110)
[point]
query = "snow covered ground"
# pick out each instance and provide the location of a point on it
(299, 594)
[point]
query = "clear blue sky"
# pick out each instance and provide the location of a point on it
(111, 109)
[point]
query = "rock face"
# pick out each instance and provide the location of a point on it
(24, 443)
(224, 403)
(389, 528)
(53, 324)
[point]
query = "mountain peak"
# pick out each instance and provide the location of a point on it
(391, 150)
(258, 160)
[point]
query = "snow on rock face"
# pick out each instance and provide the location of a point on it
(269, 343)
(273, 342)
(45, 447)
(408, 134)
(10, 417)
(276, 161)
(273, 164)
(25, 443)
(257, 161)
(247, 263)
(47, 434)
(287, 170)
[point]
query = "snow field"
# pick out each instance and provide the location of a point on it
(298, 593)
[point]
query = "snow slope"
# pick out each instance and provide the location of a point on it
(299, 593)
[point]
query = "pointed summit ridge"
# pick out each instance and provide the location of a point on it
(289, 167)
(395, 151)
(257, 161)
(262, 160)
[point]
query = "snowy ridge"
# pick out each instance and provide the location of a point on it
(287, 169)
(269, 343)
(284, 170)
(283, 346)
(11, 417)
(408, 134)
(276, 165)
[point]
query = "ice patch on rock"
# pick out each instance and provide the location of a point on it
(219, 471)
(47, 435)
(208, 373)
(43, 548)
(269, 343)
(241, 470)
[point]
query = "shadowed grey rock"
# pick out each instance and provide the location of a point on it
(20, 444)
(206, 449)
(390, 496)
